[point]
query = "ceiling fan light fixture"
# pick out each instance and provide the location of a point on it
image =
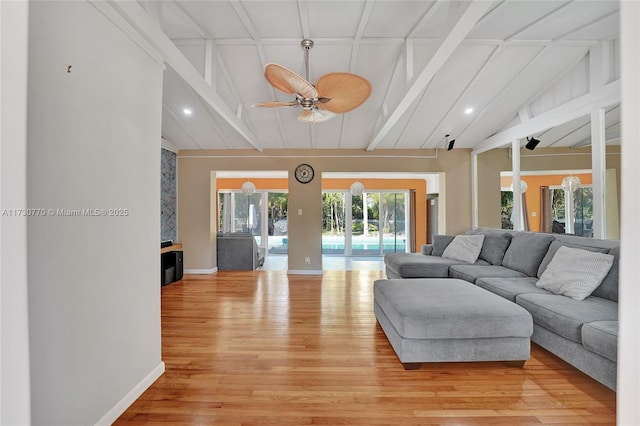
(532, 143)
(315, 115)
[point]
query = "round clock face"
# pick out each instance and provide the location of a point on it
(304, 173)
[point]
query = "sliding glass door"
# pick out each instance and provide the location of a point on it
(371, 224)
(572, 213)
(262, 214)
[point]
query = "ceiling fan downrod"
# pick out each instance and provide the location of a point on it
(306, 45)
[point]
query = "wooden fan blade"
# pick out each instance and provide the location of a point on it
(271, 104)
(347, 91)
(288, 81)
(315, 115)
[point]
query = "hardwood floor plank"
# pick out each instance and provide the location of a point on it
(266, 348)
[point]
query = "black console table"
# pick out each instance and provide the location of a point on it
(171, 264)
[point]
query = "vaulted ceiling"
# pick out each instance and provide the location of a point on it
(467, 69)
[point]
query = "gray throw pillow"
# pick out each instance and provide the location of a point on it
(553, 248)
(440, 243)
(526, 251)
(494, 247)
(465, 248)
(575, 273)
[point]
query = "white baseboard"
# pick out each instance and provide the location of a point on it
(201, 271)
(304, 272)
(122, 405)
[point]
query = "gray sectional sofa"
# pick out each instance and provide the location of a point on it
(510, 264)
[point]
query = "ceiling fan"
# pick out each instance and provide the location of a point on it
(333, 93)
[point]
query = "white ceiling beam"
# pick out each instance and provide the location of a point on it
(600, 98)
(138, 18)
(458, 32)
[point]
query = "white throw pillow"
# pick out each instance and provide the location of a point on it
(575, 273)
(465, 248)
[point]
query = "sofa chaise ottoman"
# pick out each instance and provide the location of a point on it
(450, 320)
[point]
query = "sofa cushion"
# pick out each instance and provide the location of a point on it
(609, 287)
(509, 288)
(415, 265)
(465, 248)
(555, 245)
(601, 337)
(575, 273)
(526, 251)
(495, 245)
(472, 272)
(440, 243)
(565, 316)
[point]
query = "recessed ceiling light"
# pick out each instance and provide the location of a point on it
(187, 111)
(468, 111)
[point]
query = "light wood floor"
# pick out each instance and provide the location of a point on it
(264, 348)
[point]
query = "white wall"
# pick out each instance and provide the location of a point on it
(14, 336)
(629, 316)
(94, 282)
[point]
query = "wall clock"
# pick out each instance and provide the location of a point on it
(304, 173)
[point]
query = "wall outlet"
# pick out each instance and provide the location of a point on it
(307, 260)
